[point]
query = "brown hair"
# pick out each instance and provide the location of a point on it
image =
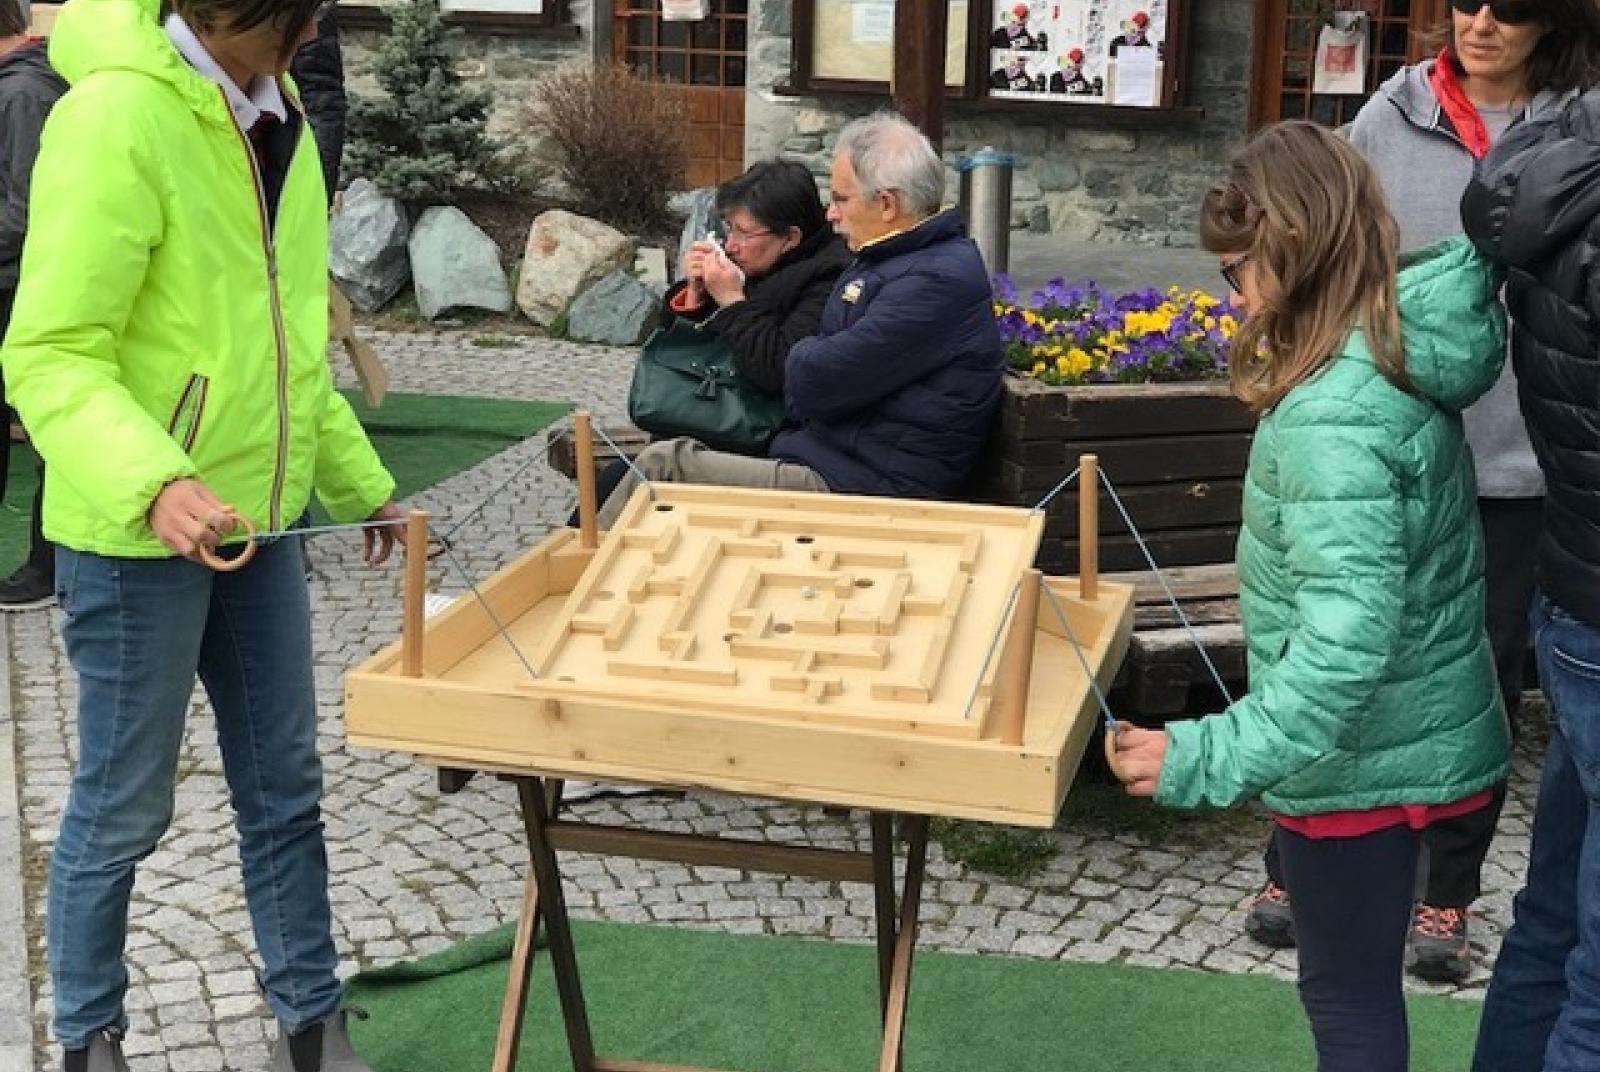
(289, 16)
(12, 20)
(1566, 57)
(1310, 214)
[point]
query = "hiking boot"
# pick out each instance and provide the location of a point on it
(103, 1054)
(322, 1047)
(27, 589)
(1439, 951)
(1269, 920)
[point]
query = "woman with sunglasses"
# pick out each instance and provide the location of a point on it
(167, 353)
(1498, 63)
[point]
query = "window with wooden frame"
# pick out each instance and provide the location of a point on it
(1286, 36)
(534, 18)
(1059, 53)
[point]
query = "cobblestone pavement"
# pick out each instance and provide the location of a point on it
(414, 871)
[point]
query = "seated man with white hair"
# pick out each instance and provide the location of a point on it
(896, 394)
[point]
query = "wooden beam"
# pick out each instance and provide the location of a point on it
(920, 31)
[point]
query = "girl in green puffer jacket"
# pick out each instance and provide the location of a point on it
(1373, 709)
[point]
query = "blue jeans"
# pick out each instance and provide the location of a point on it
(137, 632)
(1542, 1011)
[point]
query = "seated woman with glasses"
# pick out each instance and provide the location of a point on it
(765, 291)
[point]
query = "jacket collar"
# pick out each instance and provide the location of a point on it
(939, 227)
(263, 96)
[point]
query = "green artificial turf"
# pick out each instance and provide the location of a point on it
(763, 1004)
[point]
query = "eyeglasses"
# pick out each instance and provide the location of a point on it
(1508, 12)
(1230, 272)
(738, 234)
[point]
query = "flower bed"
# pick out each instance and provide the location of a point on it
(1069, 334)
(1140, 380)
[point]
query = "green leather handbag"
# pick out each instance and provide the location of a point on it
(688, 384)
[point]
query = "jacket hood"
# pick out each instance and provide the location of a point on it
(91, 36)
(1451, 321)
(1410, 89)
(29, 61)
(1539, 187)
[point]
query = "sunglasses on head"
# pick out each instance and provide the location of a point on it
(1509, 12)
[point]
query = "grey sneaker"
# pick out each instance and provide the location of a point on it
(322, 1047)
(1438, 945)
(103, 1054)
(1269, 920)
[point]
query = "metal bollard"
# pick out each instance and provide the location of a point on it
(986, 203)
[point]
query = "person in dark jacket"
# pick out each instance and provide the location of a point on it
(318, 72)
(766, 291)
(896, 394)
(1534, 207)
(29, 88)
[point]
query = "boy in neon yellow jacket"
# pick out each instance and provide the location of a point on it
(167, 353)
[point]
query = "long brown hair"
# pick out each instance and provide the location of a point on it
(1309, 213)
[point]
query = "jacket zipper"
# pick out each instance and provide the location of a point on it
(269, 247)
(188, 412)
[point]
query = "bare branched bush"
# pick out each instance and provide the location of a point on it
(622, 141)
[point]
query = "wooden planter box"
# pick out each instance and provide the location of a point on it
(1176, 453)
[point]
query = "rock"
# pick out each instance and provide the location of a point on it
(566, 255)
(651, 266)
(456, 265)
(367, 246)
(620, 310)
(700, 216)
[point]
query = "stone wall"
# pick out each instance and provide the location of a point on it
(1083, 179)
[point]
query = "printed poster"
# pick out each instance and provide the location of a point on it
(1067, 51)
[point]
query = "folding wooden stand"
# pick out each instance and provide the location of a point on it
(544, 904)
(902, 658)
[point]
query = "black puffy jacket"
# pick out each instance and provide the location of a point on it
(318, 71)
(779, 309)
(1534, 208)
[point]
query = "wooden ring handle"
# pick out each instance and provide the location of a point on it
(237, 562)
(1111, 747)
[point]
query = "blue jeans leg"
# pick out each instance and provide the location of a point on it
(1542, 1011)
(255, 662)
(137, 632)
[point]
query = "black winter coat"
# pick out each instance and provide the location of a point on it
(29, 88)
(318, 71)
(1534, 208)
(779, 309)
(897, 393)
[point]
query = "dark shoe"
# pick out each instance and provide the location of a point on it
(103, 1054)
(1439, 951)
(322, 1047)
(27, 589)
(1269, 920)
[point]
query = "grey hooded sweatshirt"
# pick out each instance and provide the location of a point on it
(28, 89)
(1424, 167)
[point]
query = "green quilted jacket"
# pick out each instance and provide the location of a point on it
(1361, 579)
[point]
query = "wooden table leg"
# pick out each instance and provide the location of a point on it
(515, 1005)
(887, 910)
(894, 1021)
(536, 811)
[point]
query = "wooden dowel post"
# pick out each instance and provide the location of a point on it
(1089, 527)
(416, 593)
(583, 444)
(1016, 664)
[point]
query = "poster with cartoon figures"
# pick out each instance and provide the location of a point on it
(1069, 51)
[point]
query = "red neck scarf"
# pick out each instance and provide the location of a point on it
(1461, 112)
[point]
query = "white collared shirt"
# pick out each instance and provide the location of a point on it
(264, 96)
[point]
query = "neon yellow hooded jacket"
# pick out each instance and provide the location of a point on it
(160, 331)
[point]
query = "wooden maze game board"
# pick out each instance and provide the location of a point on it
(828, 648)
